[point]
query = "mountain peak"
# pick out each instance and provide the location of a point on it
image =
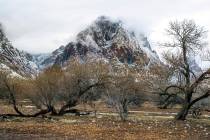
(107, 38)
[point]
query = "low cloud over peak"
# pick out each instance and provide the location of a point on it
(41, 26)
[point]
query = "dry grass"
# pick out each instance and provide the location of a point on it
(106, 128)
(140, 126)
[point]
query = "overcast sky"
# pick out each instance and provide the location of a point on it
(40, 26)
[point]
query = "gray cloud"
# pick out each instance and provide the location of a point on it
(43, 25)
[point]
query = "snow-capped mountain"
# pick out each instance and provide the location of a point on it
(12, 58)
(106, 39)
(46, 60)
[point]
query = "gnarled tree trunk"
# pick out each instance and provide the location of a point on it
(183, 112)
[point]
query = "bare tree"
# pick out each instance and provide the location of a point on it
(3, 90)
(159, 78)
(126, 84)
(12, 88)
(45, 89)
(120, 94)
(91, 98)
(79, 79)
(187, 40)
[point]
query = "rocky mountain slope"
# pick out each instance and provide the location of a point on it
(15, 60)
(45, 60)
(106, 39)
